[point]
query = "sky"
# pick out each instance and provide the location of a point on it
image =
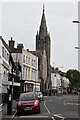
(21, 20)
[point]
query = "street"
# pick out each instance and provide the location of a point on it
(56, 107)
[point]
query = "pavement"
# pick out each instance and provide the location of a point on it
(4, 111)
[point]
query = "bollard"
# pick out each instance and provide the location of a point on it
(9, 102)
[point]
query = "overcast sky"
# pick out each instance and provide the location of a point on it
(22, 20)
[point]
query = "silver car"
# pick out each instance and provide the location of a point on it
(40, 96)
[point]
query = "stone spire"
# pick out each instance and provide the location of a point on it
(43, 27)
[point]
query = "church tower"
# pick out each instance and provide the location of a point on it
(43, 44)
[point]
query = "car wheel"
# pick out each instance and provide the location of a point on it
(39, 111)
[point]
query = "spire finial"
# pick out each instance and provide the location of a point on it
(43, 8)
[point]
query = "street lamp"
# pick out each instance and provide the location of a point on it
(77, 48)
(76, 21)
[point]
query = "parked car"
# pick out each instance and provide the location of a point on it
(27, 103)
(40, 96)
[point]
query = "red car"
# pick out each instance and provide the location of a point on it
(28, 102)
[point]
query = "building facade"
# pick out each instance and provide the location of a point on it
(59, 82)
(4, 65)
(29, 67)
(43, 44)
(56, 80)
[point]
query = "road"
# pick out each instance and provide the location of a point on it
(56, 108)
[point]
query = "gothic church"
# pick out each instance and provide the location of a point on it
(43, 45)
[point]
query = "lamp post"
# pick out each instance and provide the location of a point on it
(76, 21)
(78, 47)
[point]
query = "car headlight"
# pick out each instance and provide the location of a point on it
(19, 103)
(41, 95)
(36, 102)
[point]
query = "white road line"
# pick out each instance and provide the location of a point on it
(52, 118)
(46, 107)
(59, 98)
(0, 110)
(14, 114)
(1, 107)
(55, 115)
(64, 103)
(33, 117)
(76, 104)
(1, 104)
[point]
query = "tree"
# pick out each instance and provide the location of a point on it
(74, 76)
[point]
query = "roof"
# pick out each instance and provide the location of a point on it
(28, 93)
(35, 52)
(5, 44)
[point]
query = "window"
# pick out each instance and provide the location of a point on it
(26, 73)
(7, 57)
(29, 61)
(24, 59)
(3, 51)
(32, 74)
(32, 62)
(23, 72)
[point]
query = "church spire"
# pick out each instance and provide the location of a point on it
(43, 8)
(43, 27)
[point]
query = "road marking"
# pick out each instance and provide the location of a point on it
(14, 115)
(66, 103)
(57, 115)
(59, 98)
(1, 104)
(46, 107)
(1, 107)
(33, 117)
(53, 118)
(77, 104)
(0, 110)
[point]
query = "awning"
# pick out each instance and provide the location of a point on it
(29, 82)
(14, 84)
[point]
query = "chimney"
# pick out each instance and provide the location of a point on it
(11, 44)
(20, 46)
(28, 50)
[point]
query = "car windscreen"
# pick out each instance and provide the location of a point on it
(27, 97)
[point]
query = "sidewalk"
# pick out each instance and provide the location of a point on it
(4, 111)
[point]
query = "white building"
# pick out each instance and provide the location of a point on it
(4, 64)
(56, 79)
(29, 67)
(59, 82)
(56, 82)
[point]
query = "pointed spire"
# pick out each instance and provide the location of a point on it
(43, 27)
(37, 32)
(43, 15)
(43, 8)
